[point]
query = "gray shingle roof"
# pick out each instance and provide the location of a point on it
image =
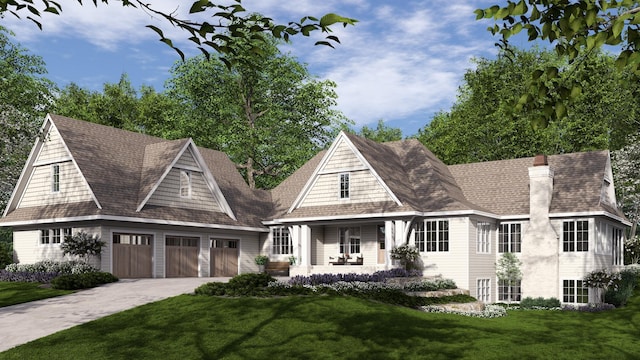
(122, 166)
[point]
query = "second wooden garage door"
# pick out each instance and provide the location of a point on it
(182, 256)
(224, 257)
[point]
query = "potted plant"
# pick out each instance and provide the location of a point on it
(261, 261)
(292, 260)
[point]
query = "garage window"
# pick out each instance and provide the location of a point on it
(132, 239)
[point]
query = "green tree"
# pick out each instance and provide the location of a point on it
(82, 245)
(24, 95)
(228, 22)
(626, 172)
(508, 269)
(574, 29)
(483, 125)
(266, 112)
(382, 133)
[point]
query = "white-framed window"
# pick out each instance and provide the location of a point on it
(349, 238)
(185, 184)
(55, 178)
(56, 236)
(509, 293)
(281, 241)
(53, 236)
(44, 237)
(420, 236)
(483, 290)
(483, 239)
(66, 232)
(432, 235)
(344, 185)
(574, 291)
(575, 235)
(510, 238)
(617, 253)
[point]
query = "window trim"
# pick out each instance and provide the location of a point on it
(512, 246)
(574, 290)
(483, 289)
(432, 235)
(349, 240)
(281, 243)
(55, 178)
(185, 184)
(509, 293)
(483, 237)
(572, 245)
(344, 181)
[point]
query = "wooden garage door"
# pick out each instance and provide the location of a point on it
(182, 256)
(224, 257)
(132, 255)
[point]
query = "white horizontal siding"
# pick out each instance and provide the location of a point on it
(39, 188)
(52, 147)
(168, 193)
(364, 187)
(342, 158)
(481, 265)
(187, 160)
(452, 264)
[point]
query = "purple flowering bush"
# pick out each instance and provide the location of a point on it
(26, 276)
(378, 276)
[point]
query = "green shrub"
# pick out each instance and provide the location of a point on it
(82, 281)
(539, 303)
(211, 289)
(622, 289)
(6, 254)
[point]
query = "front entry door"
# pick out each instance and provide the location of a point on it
(224, 258)
(382, 253)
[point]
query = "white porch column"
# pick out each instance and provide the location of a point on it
(400, 233)
(305, 247)
(388, 242)
(294, 233)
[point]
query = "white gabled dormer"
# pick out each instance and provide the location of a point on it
(51, 175)
(344, 176)
(185, 181)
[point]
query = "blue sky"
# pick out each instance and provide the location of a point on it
(402, 63)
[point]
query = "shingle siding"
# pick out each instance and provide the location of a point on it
(39, 189)
(168, 193)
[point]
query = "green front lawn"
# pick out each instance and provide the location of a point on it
(12, 293)
(336, 327)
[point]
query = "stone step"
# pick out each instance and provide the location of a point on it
(439, 293)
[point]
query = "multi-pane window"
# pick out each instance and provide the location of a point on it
(54, 236)
(436, 235)
(55, 178)
(349, 240)
(44, 236)
(483, 241)
(483, 290)
(508, 292)
(575, 235)
(344, 186)
(281, 241)
(185, 184)
(509, 238)
(132, 239)
(420, 238)
(617, 250)
(574, 291)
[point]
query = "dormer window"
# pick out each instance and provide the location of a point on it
(185, 184)
(55, 178)
(344, 186)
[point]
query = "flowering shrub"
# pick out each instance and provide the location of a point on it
(430, 285)
(490, 311)
(407, 254)
(24, 276)
(378, 276)
(589, 307)
(632, 250)
(51, 266)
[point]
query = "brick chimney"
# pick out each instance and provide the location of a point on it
(540, 160)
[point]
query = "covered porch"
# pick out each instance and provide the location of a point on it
(355, 246)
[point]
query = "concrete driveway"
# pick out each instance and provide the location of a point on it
(22, 323)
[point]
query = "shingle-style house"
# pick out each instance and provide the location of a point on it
(170, 208)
